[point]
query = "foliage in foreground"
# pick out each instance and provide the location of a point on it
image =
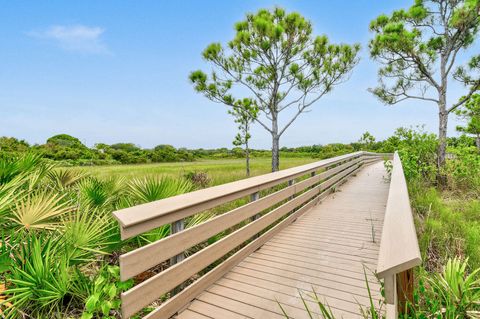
(59, 241)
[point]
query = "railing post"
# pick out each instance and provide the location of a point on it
(311, 175)
(290, 183)
(405, 281)
(176, 227)
(390, 288)
(255, 196)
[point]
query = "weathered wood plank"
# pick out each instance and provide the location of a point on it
(211, 311)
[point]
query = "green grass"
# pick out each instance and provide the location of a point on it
(448, 226)
(219, 171)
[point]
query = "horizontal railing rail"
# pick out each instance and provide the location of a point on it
(399, 252)
(286, 195)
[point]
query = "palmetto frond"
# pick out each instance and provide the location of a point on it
(40, 276)
(98, 193)
(88, 233)
(150, 189)
(64, 178)
(9, 194)
(41, 210)
(10, 168)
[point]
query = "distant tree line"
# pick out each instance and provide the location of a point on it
(71, 151)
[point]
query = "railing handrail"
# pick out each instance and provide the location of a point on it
(399, 252)
(399, 249)
(141, 218)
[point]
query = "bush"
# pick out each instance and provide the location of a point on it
(103, 291)
(58, 238)
(451, 293)
(417, 150)
(463, 170)
(199, 179)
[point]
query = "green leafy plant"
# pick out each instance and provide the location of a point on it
(463, 170)
(103, 293)
(15, 166)
(453, 293)
(457, 290)
(65, 178)
(39, 211)
(98, 193)
(470, 113)
(150, 189)
(39, 277)
(87, 234)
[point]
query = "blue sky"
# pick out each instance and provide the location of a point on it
(117, 71)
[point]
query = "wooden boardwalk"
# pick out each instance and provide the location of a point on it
(316, 228)
(326, 249)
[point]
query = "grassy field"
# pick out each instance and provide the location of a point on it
(219, 171)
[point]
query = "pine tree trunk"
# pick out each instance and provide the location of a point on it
(275, 146)
(247, 159)
(442, 146)
(275, 153)
(442, 138)
(442, 124)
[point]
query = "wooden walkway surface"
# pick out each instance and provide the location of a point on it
(326, 249)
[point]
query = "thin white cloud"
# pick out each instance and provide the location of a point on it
(75, 38)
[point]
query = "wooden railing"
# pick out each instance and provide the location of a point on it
(276, 200)
(399, 251)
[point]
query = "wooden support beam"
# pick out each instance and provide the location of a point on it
(405, 284)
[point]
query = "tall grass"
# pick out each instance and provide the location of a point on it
(448, 225)
(219, 171)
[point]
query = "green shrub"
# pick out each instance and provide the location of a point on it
(40, 278)
(101, 292)
(58, 236)
(417, 150)
(150, 189)
(452, 293)
(463, 170)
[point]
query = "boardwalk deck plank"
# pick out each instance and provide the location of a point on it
(327, 249)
